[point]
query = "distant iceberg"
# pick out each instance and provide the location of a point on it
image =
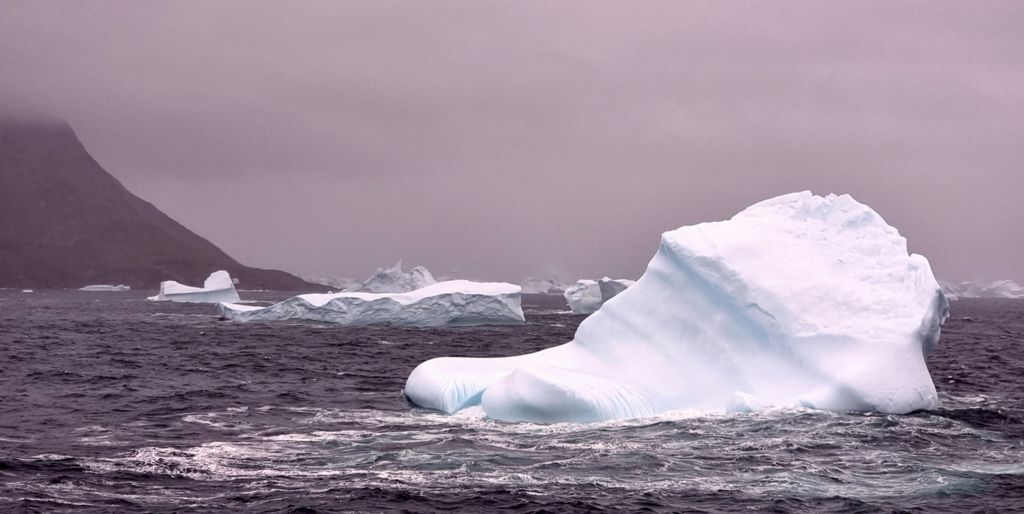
(799, 300)
(547, 286)
(452, 303)
(586, 296)
(1007, 289)
(106, 288)
(393, 280)
(333, 281)
(949, 291)
(385, 280)
(218, 287)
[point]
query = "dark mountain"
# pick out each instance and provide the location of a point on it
(65, 223)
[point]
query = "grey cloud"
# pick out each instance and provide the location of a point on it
(501, 138)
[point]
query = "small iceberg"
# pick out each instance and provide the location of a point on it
(586, 296)
(452, 303)
(218, 287)
(104, 288)
(797, 300)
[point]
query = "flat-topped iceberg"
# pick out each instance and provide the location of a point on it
(452, 303)
(218, 287)
(393, 280)
(799, 300)
(106, 288)
(586, 296)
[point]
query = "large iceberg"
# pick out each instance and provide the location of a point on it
(586, 296)
(218, 287)
(452, 303)
(999, 289)
(393, 280)
(106, 288)
(799, 300)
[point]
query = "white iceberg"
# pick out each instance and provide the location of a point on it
(797, 300)
(452, 303)
(586, 296)
(106, 288)
(218, 287)
(394, 280)
(1007, 289)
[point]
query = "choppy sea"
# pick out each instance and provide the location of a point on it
(110, 403)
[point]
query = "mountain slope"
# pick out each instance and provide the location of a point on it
(66, 222)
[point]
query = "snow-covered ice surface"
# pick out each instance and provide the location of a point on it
(393, 280)
(999, 289)
(452, 303)
(106, 288)
(798, 300)
(586, 296)
(218, 287)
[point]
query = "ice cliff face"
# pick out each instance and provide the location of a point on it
(394, 280)
(586, 296)
(452, 303)
(799, 300)
(218, 287)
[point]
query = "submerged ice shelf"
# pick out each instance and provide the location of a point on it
(452, 303)
(798, 300)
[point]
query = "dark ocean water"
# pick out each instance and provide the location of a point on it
(110, 403)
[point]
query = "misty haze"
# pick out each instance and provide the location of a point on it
(532, 256)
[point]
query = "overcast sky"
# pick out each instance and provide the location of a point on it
(511, 139)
